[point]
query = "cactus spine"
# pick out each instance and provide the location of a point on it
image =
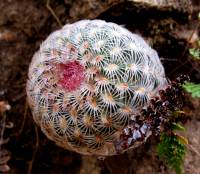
(88, 80)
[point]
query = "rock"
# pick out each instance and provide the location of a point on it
(89, 9)
(80, 9)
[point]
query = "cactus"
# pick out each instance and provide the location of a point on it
(88, 81)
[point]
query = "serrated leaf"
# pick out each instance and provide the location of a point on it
(176, 126)
(182, 139)
(192, 88)
(178, 114)
(172, 150)
(195, 52)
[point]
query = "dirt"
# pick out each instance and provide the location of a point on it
(24, 24)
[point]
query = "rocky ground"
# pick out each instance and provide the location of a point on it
(171, 27)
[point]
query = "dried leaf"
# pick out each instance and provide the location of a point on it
(4, 106)
(4, 168)
(9, 125)
(4, 159)
(4, 141)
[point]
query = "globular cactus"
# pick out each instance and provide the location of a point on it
(88, 81)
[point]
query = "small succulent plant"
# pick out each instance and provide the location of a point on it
(89, 81)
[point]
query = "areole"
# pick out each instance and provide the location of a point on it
(88, 81)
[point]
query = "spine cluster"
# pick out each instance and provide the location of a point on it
(87, 82)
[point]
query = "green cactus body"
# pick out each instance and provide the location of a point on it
(88, 80)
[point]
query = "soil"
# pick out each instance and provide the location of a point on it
(24, 24)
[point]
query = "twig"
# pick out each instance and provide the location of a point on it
(4, 155)
(167, 59)
(193, 150)
(186, 48)
(30, 166)
(24, 119)
(2, 122)
(53, 13)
